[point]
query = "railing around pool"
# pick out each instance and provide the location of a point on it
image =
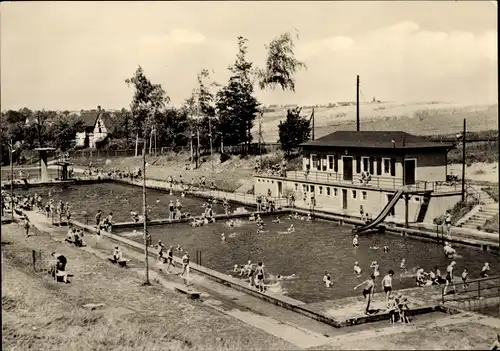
(391, 183)
(244, 198)
(472, 289)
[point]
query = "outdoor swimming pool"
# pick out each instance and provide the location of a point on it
(119, 199)
(314, 247)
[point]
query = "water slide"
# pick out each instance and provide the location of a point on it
(382, 215)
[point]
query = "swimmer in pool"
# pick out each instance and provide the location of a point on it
(355, 241)
(260, 229)
(357, 269)
(179, 248)
(236, 268)
(251, 218)
(327, 280)
(386, 249)
(157, 200)
(309, 218)
(402, 265)
(375, 267)
(230, 223)
(223, 237)
(277, 220)
(291, 229)
(374, 247)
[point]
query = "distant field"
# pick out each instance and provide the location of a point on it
(417, 118)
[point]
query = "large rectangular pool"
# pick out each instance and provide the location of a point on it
(315, 247)
(118, 198)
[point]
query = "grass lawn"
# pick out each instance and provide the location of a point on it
(40, 314)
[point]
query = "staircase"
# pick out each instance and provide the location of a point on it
(423, 208)
(489, 210)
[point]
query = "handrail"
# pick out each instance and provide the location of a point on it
(482, 284)
(473, 193)
(336, 178)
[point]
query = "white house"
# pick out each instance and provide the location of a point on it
(95, 128)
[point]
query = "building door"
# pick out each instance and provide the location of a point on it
(344, 199)
(347, 161)
(392, 212)
(410, 169)
(280, 189)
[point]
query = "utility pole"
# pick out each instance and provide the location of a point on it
(210, 135)
(261, 139)
(357, 103)
(12, 179)
(145, 213)
(463, 160)
(197, 146)
(312, 117)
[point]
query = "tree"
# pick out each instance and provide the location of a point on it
(148, 100)
(63, 131)
(281, 64)
(295, 130)
(236, 105)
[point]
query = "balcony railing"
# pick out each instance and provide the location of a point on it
(388, 183)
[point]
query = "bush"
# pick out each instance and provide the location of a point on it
(491, 225)
(483, 151)
(224, 157)
(460, 209)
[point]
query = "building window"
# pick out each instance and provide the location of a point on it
(386, 163)
(330, 162)
(328, 191)
(365, 164)
(335, 191)
(272, 181)
(311, 188)
(304, 188)
(416, 199)
(321, 190)
(296, 187)
(364, 195)
(354, 194)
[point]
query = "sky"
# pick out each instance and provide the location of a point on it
(77, 55)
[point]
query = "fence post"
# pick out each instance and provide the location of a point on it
(479, 289)
(34, 259)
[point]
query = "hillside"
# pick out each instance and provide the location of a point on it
(416, 118)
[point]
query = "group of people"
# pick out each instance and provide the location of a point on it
(75, 236)
(105, 223)
(167, 257)
(254, 273)
(265, 203)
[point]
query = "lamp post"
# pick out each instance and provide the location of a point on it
(11, 151)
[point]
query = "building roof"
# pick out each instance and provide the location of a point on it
(89, 118)
(375, 139)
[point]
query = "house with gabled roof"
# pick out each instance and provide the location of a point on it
(354, 172)
(95, 131)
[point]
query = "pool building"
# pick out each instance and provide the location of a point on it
(393, 174)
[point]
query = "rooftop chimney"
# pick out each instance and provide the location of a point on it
(99, 108)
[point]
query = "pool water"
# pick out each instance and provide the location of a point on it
(314, 247)
(119, 199)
